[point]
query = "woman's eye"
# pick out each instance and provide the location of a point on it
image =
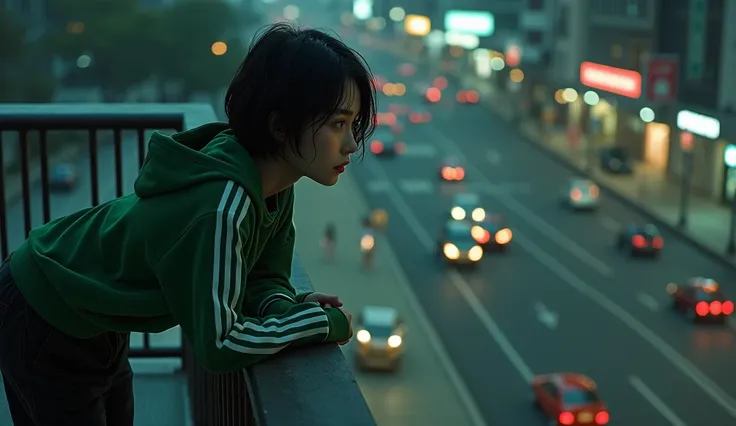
(340, 124)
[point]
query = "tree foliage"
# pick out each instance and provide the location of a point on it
(129, 44)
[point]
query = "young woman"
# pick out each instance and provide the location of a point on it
(204, 242)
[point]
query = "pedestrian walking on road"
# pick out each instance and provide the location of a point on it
(205, 242)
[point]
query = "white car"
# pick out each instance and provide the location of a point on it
(380, 338)
(580, 194)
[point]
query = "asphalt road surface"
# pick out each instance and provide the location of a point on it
(563, 298)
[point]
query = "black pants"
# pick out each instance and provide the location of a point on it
(51, 378)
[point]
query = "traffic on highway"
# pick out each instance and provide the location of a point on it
(555, 302)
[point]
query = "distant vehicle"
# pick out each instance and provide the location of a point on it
(62, 177)
(641, 240)
(616, 160)
(451, 170)
(457, 246)
(385, 143)
(380, 335)
(701, 299)
(492, 233)
(580, 194)
(467, 206)
(419, 116)
(467, 97)
(569, 399)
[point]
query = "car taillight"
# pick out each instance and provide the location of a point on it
(462, 97)
(727, 307)
(472, 96)
(566, 418)
(715, 308)
(576, 194)
(594, 191)
(658, 242)
(459, 173)
(400, 147)
(601, 418)
(376, 147)
(638, 241)
(702, 309)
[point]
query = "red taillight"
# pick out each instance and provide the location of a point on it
(415, 118)
(434, 94)
(472, 96)
(400, 147)
(727, 307)
(658, 242)
(638, 241)
(376, 147)
(566, 418)
(702, 309)
(462, 97)
(601, 418)
(576, 194)
(459, 173)
(594, 191)
(716, 308)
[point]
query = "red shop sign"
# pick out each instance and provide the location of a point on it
(662, 75)
(611, 79)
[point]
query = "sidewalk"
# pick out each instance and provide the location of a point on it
(420, 392)
(646, 190)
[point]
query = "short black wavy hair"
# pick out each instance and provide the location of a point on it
(297, 76)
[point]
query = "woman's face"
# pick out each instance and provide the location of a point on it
(326, 150)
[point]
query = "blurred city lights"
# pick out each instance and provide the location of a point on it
(591, 98)
(363, 9)
(417, 25)
(84, 61)
(516, 75)
(497, 64)
(570, 95)
(291, 12)
(647, 115)
(219, 48)
(396, 14)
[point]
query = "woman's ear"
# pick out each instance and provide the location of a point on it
(277, 131)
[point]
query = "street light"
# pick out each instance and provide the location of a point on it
(219, 48)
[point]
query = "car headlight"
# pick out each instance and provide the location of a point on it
(457, 213)
(367, 243)
(363, 336)
(475, 254)
(503, 236)
(451, 252)
(394, 341)
(479, 214)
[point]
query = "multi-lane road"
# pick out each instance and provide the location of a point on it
(563, 298)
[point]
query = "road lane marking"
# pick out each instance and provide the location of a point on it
(648, 301)
(609, 223)
(377, 185)
(416, 186)
(547, 317)
(426, 240)
(529, 216)
(420, 151)
(459, 282)
(675, 358)
(656, 402)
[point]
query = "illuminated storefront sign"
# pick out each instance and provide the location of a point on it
(699, 124)
(610, 79)
(475, 22)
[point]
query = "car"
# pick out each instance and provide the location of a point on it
(467, 205)
(492, 233)
(380, 338)
(467, 97)
(701, 299)
(386, 144)
(62, 177)
(457, 246)
(419, 116)
(616, 160)
(569, 399)
(451, 171)
(580, 194)
(640, 240)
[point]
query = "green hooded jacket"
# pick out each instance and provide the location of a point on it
(195, 245)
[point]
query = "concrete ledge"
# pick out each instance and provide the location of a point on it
(310, 386)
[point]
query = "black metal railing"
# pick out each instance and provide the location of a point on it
(300, 387)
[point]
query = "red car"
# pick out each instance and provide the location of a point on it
(569, 399)
(701, 300)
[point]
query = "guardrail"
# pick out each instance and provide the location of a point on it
(307, 386)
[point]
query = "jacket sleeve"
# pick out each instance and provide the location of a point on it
(204, 281)
(269, 282)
